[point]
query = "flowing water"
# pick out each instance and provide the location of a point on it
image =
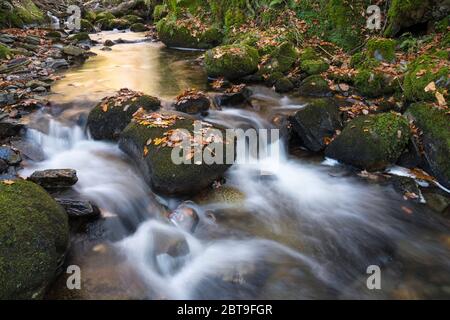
(308, 230)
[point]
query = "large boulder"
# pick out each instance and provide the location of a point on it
(435, 127)
(187, 34)
(316, 124)
(33, 239)
(371, 142)
(231, 61)
(150, 140)
(281, 59)
(107, 120)
(314, 86)
(373, 83)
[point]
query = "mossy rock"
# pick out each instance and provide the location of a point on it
(119, 24)
(91, 16)
(160, 12)
(132, 19)
(407, 13)
(33, 240)
(361, 60)
(107, 125)
(371, 142)
(315, 86)
(281, 58)
(420, 73)
(312, 67)
(381, 49)
(138, 27)
(5, 51)
(81, 36)
(308, 53)
(175, 34)
(316, 123)
(435, 126)
(373, 84)
(87, 26)
(104, 15)
(155, 161)
(284, 85)
(232, 61)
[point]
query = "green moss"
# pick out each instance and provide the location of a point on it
(86, 26)
(314, 66)
(420, 73)
(314, 85)
(234, 18)
(435, 126)
(132, 19)
(371, 142)
(373, 84)
(81, 36)
(138, 27)
(232, 61)
(405, 13)
(91, 16)
(308, 54)
(442, 25)
(33, 239)
(104, 15)
(4, 51)
(381, 49)
(28, 12)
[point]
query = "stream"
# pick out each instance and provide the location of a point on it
(309, 230)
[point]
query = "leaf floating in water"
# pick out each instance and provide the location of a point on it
(407, 210)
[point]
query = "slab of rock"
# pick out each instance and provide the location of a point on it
(55, 178)
(75, 51)
(185, 217)
(234, 96)
(9, 128)
(79, 209)
(192, 102)
(316, 123)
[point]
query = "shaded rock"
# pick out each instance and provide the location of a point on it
(7, 99)
(3, 166)
(283, 85)
(57, 64)
(34, 237)
(407, 187)
(316, 123)
(71, 50)
(231, 62)
(192, 102)
(29, 150)
(312, 67)
(439, 203)
(80, 37)
(141, 141)
(234, 96)
(381, 49)
(315, 86)
(33, 84)
(10, 156)
(54, 178)
(185, 217)
(109, 43)
(79, 209)
(224, 194)
(435, 126)
(9, 128)
(371, 142)
(107, 120)
(138, 27)
(281, 59)
(373, 84)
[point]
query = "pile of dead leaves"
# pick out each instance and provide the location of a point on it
(120, 98)
(155, 119)
(189, 94)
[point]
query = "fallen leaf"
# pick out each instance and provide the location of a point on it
(440, 98)
(430, 87)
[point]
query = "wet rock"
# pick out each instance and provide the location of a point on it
(316, 123)
(435, 138)
(9, 128)
(57, 64)
(141, 141)
(109, 43)
(108, 119)
(315, 86)
(281, 59)
(371, 142)
(54, 178)
(138, 27)
(71, 50)
(3, 166)
(79, 37)
(407, 187)
(232, 61)
(185, 217)
(40, 90)
(223, 194)
(7, 99)
(34, 233)
(29, 150)
(10, 156)
(234, 96)
(284, 85)
(33, 84)
(79, 209)
(14, 64)
(438, 202)
(192, 102)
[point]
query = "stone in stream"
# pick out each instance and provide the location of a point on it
(107, 120)
(75, 51)
(185, 217)
(56, 64)
(9, 128)
(109, 43)
(435, 127)
(234, 96)
(34, 237)
(192, 102)
(316, 123)
(149, 140)
(54, 178)
(79, 209)
(10, 156)
(315, 86)
(371, 142)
